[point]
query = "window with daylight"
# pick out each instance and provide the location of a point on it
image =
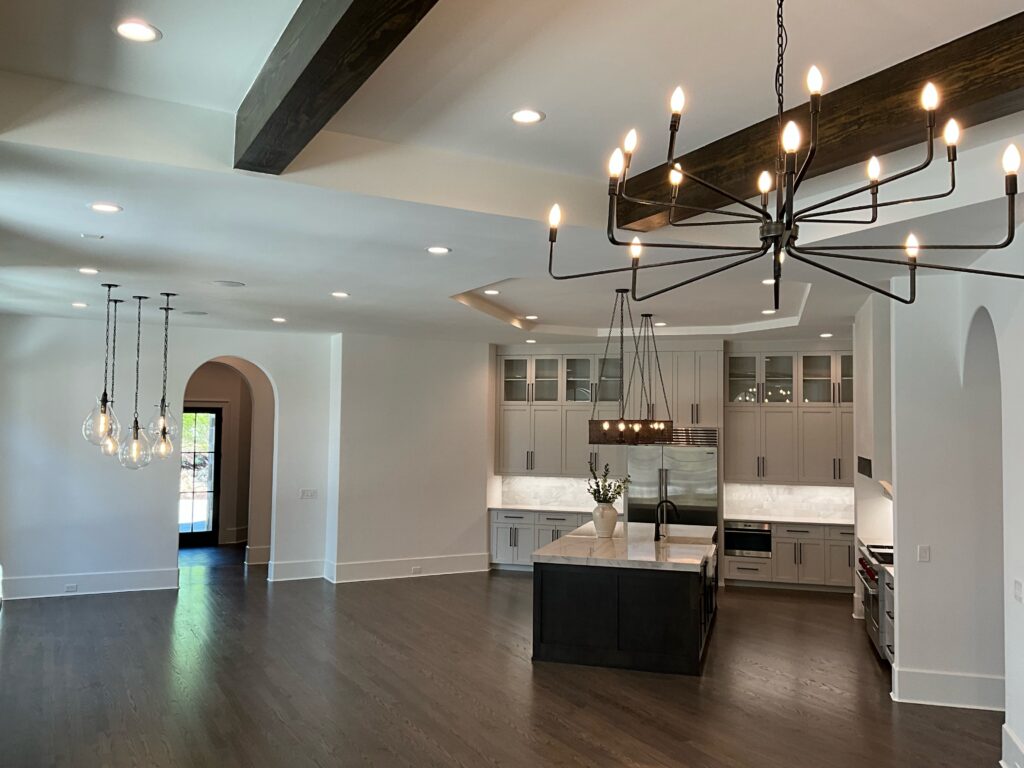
(198, 484)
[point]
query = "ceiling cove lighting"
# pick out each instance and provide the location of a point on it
(103, 207)
(163, 427)
(136, 451)
(138, 31)
(438, 250)
(527, 116)
(778, 225)
(88, 271)
(100, 422)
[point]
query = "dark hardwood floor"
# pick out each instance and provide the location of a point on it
(233, 671)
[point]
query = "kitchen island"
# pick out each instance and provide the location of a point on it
(627, 601)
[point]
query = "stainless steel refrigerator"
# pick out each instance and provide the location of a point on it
(686, 475)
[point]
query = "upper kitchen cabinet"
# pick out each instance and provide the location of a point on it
(698, 377)
(579, 378)
(761, 379)
(531, 379)
(826, 378)
(609, 379)
(664, 400)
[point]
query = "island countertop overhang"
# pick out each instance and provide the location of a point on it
(684, 548)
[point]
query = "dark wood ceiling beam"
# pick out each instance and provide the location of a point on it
(980, 77)
(327, 51)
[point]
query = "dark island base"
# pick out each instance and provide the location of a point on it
(650, 620)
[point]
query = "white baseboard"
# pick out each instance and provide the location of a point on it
(373, 570)
(948, 689)
(1013, 749)
(257, 555)
(235, 535)
(25, 587)
(291, 570)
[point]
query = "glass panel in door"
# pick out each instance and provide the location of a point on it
(609, 384)
(743, 379)
(198, 477)
(778, 378)
(515, 373)
(817, 378)
(545, 379)
(846, 378)
(577, 379)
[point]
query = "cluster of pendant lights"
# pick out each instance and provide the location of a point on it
(135, 447)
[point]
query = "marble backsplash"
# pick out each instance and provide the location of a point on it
(742, 499)
(547, 492)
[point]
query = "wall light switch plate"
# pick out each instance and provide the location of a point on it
(70, 587)
(924, 553)
(417, 569)
(307, 493)
(1018, 591)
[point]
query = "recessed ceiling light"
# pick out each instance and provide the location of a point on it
(531, 341)
(138, 31)
(660, 325)
(229, 283)
(530, 317)
(527, 116)
(767, 311)
(340, 295)
(88, 270)
(438, 250)
(492, 292)
(195, 313)
(79, 304)
(90, 236)
(825, 335)
(279, 319)
(102, 207)
(768, 281)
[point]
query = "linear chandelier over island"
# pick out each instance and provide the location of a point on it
(778, 229)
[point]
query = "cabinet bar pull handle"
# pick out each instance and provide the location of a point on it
(849, 556)
(839, 469)
(764, 466)
(800, 550)
(697, 420)
(797, 530)
(741, 568)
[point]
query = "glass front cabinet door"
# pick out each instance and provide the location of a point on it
(546, 379)
(515, 379)
(579, 378)
(779, 379)
(826, 378)
(527, 379)
(744, 388)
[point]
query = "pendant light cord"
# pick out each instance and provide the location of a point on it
(106, 347)
(138, 352)
(167, 323)
(113, 353)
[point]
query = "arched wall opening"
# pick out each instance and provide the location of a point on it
(243, 395)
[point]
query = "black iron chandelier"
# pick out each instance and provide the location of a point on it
(778, 229)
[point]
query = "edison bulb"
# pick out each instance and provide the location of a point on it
(912, 246)
(874, 169)
(814, 80)
(629, 144)
(605, 426)
(764, 183)
(554, 216)
(635, 248)
(622, 426)
(616, 163)
(675, 175)
(136, 451)
(636, 427)
(951, 133)
(163, 448)
(677, 101)
(101, 422)
(791, 137)
(1011, 159)
(930, 97)
(109, 446)
(162, 419)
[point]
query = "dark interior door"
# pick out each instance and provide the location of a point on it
(199, 484)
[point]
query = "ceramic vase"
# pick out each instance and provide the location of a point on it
(604, 520)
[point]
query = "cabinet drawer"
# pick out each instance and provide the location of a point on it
(797, 531)
(522, 518)
(889, 585)
(748, 568)
(839, 532)
(559, 519)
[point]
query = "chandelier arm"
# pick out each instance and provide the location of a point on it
(618, 270)
(875, 205)
(907, 263)
(929, 156)
(710, 223)
(673, 206)
(758, 254)
(812, 147)
(714, 188)
(836, 273)
(1010, 232)
(612, 219)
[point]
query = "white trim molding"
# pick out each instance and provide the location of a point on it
(1013, 749)
(56, 585)
(257, 555)
(402, 568)
(948, 689)
(292, 570)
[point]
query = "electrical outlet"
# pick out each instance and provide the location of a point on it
(307, 493)
(70, 587)
(417, 569)
(924, 553)
(1018, 591)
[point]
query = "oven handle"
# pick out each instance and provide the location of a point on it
(867, 586)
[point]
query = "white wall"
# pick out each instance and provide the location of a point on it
(106, 528)
(415, 457)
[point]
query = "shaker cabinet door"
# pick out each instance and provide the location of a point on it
(514, 439)
(547, 440)
(742, 444)
(707, 386)
(576, 449)
(811, 556)
(779, 440)
(818, 444)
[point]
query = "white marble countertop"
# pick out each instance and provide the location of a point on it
(683, 548)
(825, 516)
(539, 508)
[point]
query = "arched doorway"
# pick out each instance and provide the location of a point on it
(226, 480)
(982, 452)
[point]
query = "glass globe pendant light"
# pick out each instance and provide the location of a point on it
(163, 427)
(110, 443)
(100, 421)
(136, 452)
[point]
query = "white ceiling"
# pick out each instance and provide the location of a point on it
(450, 86)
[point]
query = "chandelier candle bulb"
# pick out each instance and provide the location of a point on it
(791, 138)
(675, 178)
(1011, 164)
(675, 103)
(629, 144)
(814, 81)
(616, 164)
(554, 219)
(912, 247)
(951, 135)
(636, 248)
(930, 102)
(874, 169)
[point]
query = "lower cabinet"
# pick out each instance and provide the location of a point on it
(515, 535)
(512, 544)
(820, 555)
(839, 563)
(797, 561)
